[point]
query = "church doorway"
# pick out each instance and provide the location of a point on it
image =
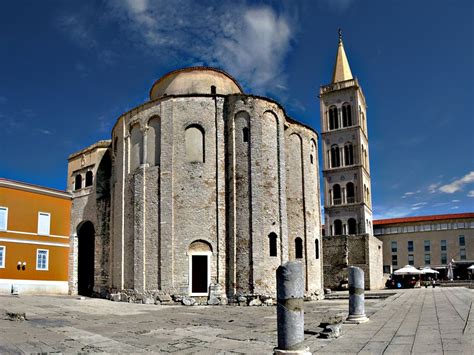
(199, 253)
(85, 259)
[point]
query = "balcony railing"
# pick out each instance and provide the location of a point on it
(350, 199)
(337, 201)
(338, 86)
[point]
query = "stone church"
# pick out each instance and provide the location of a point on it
(201, 191)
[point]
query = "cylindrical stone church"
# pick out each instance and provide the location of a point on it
(202, 191)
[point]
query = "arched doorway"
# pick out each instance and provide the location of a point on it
(85, 258)
(200, 253)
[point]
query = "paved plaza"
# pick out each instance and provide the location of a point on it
(417, 321)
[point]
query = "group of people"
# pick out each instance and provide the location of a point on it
(409, 281)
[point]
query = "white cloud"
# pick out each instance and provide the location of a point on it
(454, 201)
(416, 208)
(410, 193)
(470, 193)
(45, 131)
(454, 207)
(433, 187)
(250, 42)
(419, 204)
(458, 184)
(382, 212)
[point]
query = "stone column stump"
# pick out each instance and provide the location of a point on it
(356, 296)
(290, 313)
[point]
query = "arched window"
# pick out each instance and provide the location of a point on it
(337, 200)
(272, 240)
(313, 152)
(365, 193)
(316, 247)
(337, 227)
(346, 115)
(350, 192)
(78, 182)
(89, 178)
(352, 224)
(245, 134)
(154, 141)
(335, 158)
(333, 119)
(368, 195)
(194, 143)
(135, 147)
(348, 154)
(298, 248)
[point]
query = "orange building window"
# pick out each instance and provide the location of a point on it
(3, 218)
(2, 256)
(42, 259)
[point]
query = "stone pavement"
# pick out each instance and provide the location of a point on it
(412, 321)
(418, 321)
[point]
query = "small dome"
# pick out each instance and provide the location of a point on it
(195, 80)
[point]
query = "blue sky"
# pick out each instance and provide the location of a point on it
(68, 69)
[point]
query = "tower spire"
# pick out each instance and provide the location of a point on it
(342, 70)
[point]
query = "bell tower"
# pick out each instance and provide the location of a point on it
(347, 189)
(348, 233)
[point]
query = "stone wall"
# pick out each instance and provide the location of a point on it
(255, 162)
(360, 250)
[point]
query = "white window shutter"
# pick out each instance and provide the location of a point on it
(44, 223)
(3, 219)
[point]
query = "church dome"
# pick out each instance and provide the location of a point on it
(195, 80)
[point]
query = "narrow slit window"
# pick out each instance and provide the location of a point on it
(272, 239)
(245, 134)
(298, 248)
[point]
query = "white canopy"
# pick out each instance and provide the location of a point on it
(427, 270)
(408, 270)
(471, 267)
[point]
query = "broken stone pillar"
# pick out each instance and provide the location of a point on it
(356, 296)
(290, 314)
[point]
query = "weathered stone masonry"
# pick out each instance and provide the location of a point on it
(204, 181)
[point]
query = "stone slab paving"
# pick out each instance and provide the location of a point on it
(418, 321)
(412, 321)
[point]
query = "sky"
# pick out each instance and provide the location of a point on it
(68, 69)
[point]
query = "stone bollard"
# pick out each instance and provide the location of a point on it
(290, 314)
(356, 296)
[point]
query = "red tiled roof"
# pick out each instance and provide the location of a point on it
(423, 218)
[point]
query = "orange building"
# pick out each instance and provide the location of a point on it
(34, 238)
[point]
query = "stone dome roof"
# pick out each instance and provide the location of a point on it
(195, 80)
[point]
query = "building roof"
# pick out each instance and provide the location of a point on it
(100, 144)
(342, 70)
(18, 185)
(195, 80)
(439, 217)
